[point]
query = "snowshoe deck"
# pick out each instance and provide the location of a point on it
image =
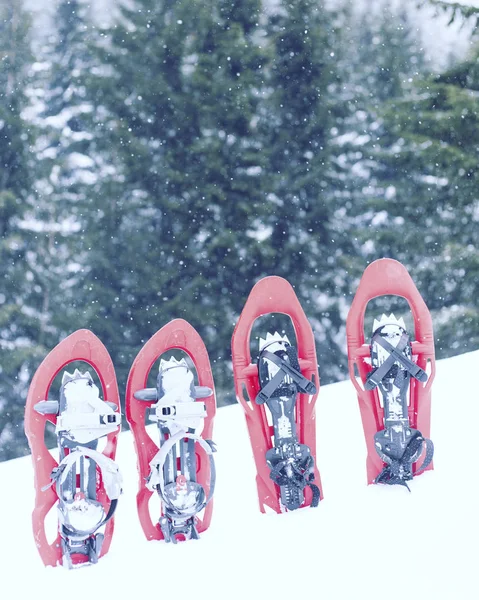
(180, 467)
(286, 382)
(84, 483)
(392, 376)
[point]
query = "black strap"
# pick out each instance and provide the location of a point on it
(285, 368)
(376, 376)
(428, 458)
(411, 366)
(395, 354)
(393, 473)
(302, 476)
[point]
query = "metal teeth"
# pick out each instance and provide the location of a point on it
(172, 363)
(67, 377)
(274, 342)
(391, 320)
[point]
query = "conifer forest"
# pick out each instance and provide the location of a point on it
(159, 158)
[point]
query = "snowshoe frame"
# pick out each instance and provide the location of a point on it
(274, 294)
(82, 345)
(181, 335)
(389, 277)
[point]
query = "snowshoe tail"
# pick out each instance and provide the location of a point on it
(392, 376)
(180, 467)
(284, 382)
(85, 484)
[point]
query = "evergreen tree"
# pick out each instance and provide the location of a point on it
(227, 167)
(66, 171)
(424, 204)
(383, 59)
(18, 324)
(173, 235)
(386, 54)
(302, 107)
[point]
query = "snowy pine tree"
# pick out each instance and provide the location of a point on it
(19, 326)
(176, 96)
(426, 215)
(300, 110)
(66, 169)
(383, 58)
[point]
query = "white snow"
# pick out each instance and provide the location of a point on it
(362, 542)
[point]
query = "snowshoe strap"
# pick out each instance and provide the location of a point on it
(69, 422)
(393, 473)
(186, 414)
(428, 458)
(395, 355)
(148, 394)
(285, 368)
(158, 461)
(410, 366)
(84, 427)
(111, 478)
(302, 476)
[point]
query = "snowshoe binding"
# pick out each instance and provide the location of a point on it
(393, 377)
(176, 406)
(178, 415)
(278, 395)
(398, 444)
(86, 482)
(280, 378)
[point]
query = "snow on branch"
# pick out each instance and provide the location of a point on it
(456, 10)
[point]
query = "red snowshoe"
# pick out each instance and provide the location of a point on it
(85, 482)
(285, 380)
(180, 467)
(393, 377)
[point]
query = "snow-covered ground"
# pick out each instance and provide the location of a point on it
(362, 542)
